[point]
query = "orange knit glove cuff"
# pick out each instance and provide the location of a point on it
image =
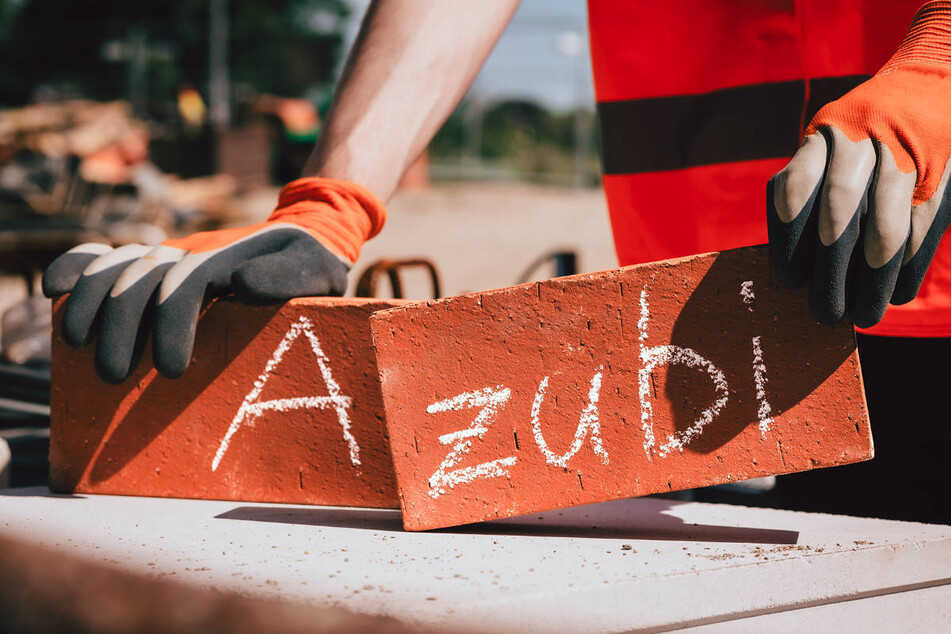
(341, 214)
(928, 41)
(906, 106)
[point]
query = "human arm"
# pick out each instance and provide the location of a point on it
(412, 63)
(410, 66)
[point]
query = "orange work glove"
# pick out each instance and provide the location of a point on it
(305, 248)
(862, 205)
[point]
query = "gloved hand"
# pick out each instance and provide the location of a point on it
(862, 205)
(305, 248)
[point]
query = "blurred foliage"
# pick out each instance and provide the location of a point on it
(277, 46)
(520, 137)
(82, 48)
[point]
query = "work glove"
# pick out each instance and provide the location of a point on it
(305, 247)
(862, 205)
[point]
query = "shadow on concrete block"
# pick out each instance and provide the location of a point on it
(641, 519)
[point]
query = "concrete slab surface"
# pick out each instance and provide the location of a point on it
(643, 564)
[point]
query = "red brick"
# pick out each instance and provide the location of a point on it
(153, 436)
(578, 330)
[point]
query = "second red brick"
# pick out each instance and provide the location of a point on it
(652, 378)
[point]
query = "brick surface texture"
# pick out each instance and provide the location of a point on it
(279, 404)
(640, 380)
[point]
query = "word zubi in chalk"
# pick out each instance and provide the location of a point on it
(490, 401)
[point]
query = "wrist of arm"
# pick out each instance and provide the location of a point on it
(412, 63)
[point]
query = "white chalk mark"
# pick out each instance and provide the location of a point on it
(677, 355)
(644, 318)
(764, 413)
(643, 386)
(589, 422)
(652, 357)
(491, 400)
(479, 398)
(299, 402)
(491, 469)
(746, 292)
(250, 410)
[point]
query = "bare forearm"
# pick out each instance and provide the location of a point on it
(412, 63)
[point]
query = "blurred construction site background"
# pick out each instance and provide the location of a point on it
(127, 122)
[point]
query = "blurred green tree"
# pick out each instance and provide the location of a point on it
(87, 46)
(520, 138)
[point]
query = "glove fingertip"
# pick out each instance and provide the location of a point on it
(172, 344)
(109, 372)
(912, 274)
(906, 289)
(53, 288)
(62, 274)
(170, 366)
(869, 314)
(826, 312)
(72, 339)
(77, 327)
(120, 344)
(791, 245)
(870, 289)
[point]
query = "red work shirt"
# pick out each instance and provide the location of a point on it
(700, 102)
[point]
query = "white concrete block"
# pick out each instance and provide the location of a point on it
(925, 609)
(628, 565)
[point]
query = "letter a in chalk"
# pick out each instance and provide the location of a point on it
(251, 408)
(490, 400)
(654, 356)
(589, 423)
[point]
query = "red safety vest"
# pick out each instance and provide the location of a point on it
(700, 102)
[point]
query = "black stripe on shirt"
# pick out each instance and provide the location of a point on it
(736, 124)
(822, 91)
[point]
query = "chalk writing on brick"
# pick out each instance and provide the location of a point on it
(588, 425)
(490, 400)
(764, 411)
(251, 408)
(669, 354)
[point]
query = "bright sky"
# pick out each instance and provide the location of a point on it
(542, 56)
